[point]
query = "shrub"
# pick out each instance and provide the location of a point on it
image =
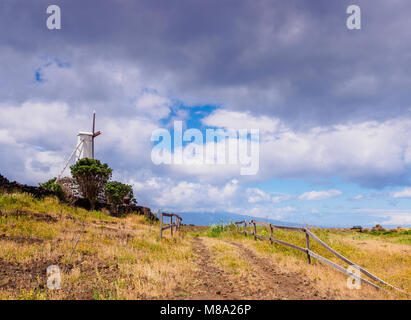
(216, 230)
(51, 185)
(116, 191)
(91, 176)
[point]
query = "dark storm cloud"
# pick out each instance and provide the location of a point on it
(293, 59)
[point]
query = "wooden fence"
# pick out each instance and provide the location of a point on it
(176, 224)
(307, 250)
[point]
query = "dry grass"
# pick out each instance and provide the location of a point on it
(387, 260)
(246, 274)
(115, 258)
(229, 258)
(123, 258)
(240, 271)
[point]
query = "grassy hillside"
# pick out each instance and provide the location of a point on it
(102, 257)
(115, 258)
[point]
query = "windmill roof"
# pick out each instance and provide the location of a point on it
(82, 133)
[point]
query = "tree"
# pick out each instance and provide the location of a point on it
(56, 188)
(116, 191)
(91, 176)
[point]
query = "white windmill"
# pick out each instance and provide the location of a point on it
(84, 147)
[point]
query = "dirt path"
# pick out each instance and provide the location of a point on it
(212, 282)
(264, 281)
(286, 285)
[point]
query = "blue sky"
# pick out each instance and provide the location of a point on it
(332, 105)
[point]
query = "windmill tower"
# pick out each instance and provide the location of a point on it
(85, 142)
(84, 147)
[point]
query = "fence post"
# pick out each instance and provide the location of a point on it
(245, 228)
(161, 225)
(307, 238)
(255, 231)
(272, 234)
(171, 225)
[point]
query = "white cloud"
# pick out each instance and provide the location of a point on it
(383, 212)
(267, 212)
(398, 220)
(49, 124)
(320, 195)
(352, 151)
(405, 193)
(42, 165)
(242, 120)
(7, 138)
(167, 194)
(280, 198)
(285, 210)
(388, 216)
(185, 195)
(153, 105)
(256, 195)
(359, 197)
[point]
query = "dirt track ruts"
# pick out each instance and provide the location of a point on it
(265, 282)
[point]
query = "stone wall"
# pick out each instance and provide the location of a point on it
(37, 192)
(72, 191)
(133, 208)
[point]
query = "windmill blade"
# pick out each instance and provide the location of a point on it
(94, 121)
(94, 128)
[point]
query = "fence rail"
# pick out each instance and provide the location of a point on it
(307, 250)
(176, 224)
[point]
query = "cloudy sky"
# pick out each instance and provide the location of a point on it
(333, 105)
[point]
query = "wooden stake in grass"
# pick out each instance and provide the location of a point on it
(307, 239)
(75, 245)
(161, 225)
(171, 225)
(272, 234)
